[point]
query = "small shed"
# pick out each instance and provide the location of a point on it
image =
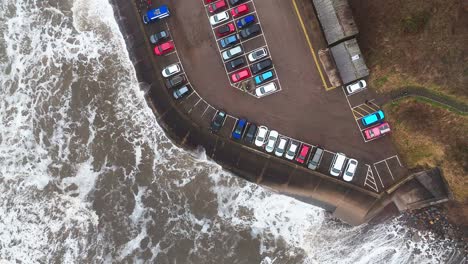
(349, 61)
(336, 19)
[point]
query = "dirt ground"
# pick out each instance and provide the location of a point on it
(428, 136)
(415, 43)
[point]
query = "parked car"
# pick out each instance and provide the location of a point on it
(217, 6)
(159, 36)
(245, 21)
(281, 147)
(218, 121)
(234, 64)
(337, 164)
(258, 54)
(250, 133)
(303, 154)
(239, 10)
(250, 31)
(228, 41)
(261, 66)
(261, 78)
(209, 1)
(236, 2)
(272, 138)
(239, 129)
(240, 75)
(314, 162)
(350, 170)
(262, 133)
(232, 52)
(176, 81)
(292, 150)
(171, 70)
(156, 14)
(356, 87)
(373, 118)
(164, 48)
(181, 92)
(377, 131)
(225, 29)
(265, 89)
(219, 18)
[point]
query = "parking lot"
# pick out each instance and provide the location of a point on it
(248, 45)
(303, 110)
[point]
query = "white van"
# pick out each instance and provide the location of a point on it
(337, 164)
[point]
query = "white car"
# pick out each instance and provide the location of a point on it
(232, 52)
(265, 89)
(257, 54)
(272, 138)
(292, 149)
(337, 164)
(355, 87)
(171, 70)
(219, 18)
(350, 170)
(281, 147)
(261, 136)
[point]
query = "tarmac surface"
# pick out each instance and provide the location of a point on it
(302, 110)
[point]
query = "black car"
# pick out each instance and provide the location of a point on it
(234, 64)
(156, 38)
(250, 31)
(261, 66)
(249, 136)
(236, 2)
(176, 81)
(218, 121)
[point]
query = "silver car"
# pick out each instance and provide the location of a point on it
(356, 87)
(350, 170)
(257, 54)
(272, 138)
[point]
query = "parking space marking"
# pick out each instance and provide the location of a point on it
(350, 107)
(386, 164)
(370, 180)
(378, 175)
(168, 54)
(312, 50)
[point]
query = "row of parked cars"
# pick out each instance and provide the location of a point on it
(230, 42)
(280, 146)
(376, 124)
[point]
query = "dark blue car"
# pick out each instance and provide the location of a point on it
(239, 130)
(245, 21)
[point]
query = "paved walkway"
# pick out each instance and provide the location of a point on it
(424, 93)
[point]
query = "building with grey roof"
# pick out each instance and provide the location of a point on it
(336, 19)
(349, 61)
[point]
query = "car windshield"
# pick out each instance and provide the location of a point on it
(349, 174)
(335, 170)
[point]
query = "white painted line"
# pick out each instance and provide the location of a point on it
(207, 106)
(391, 174)
(168, 54)
(378, 175)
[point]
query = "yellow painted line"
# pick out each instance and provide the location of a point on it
(361, 108)
(312, 50)
(371, 108)
(361, 115)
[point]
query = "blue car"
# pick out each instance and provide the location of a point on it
(245, 21)
(239, 130)
(261, 78)
(156, 14)
(229, 41)
(373, 118)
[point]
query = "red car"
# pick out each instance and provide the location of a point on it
(241, 75)
(208, 1)
(377, 131)
(216, 6)
(164, 48)
(225, 30)
(240, 10)
(303, 154)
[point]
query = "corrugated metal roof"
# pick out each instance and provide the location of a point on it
(336, 19)
(349, 61)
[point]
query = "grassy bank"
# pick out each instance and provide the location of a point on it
(427, 136)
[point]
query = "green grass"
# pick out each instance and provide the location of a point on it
(415, 22)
